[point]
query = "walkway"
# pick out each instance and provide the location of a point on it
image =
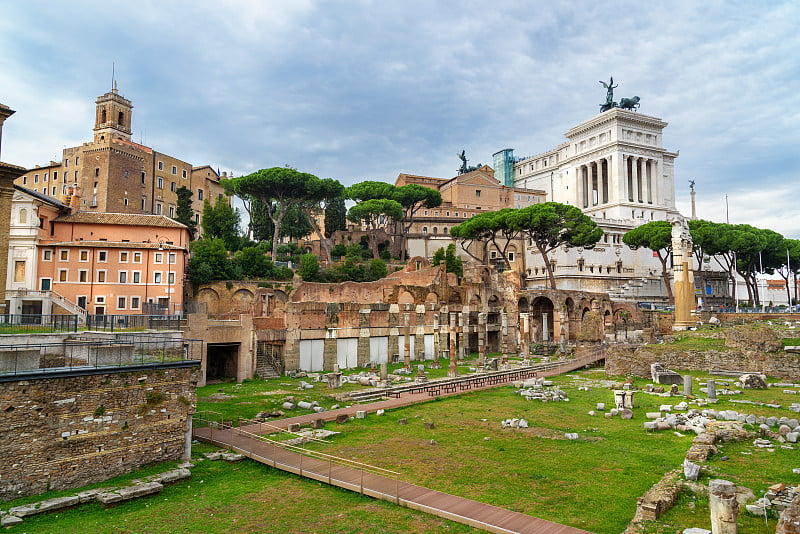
(368, 480)
(380, 483)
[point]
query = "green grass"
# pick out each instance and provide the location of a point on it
(245, 497)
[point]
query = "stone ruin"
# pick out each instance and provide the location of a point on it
(662, 375)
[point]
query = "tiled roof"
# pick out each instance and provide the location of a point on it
(45, 198)
(125, 219)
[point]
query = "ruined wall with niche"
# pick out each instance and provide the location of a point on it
(65, 432)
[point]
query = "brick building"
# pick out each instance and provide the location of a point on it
(463, 196)
(113, 174)
(113, 263)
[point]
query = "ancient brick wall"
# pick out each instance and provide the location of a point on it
(629, 361)
(65, 432)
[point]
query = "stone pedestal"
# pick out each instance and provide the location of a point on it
(619, 399)
(712, 389)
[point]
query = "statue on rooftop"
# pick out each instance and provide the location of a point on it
(609, 94)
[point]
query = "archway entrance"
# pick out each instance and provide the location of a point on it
(542, 319)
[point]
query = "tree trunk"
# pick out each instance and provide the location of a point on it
(276, 232)
(548, 266)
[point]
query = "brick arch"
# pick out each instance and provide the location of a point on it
(405, 297)
(210, 298)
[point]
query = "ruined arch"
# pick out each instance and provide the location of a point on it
(522, 305)
(242, 300)
(541, 313)
(432, 298)
(455, 299)
(210, 299)
(405, 297)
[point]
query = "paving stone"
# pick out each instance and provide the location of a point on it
(131, 492)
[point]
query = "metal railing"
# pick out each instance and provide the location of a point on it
(95, 351)
(112, 323)
(363, 478)
(37, 323)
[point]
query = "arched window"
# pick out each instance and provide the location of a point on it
(435, 230)
(103, 116)
(23, 216)
(121, 119)
(425, 230)
(97, 172)
(444, 230)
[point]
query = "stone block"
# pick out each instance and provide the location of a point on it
(131, 492)
(172, 476)
(293, 427)
(430, 425)
(342, 418)
(361, 414)
(10, 521)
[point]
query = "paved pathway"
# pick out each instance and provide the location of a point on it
(380, 483)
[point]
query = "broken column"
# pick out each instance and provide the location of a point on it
(482, 334)
(724, 507)
(712, 389)
(407, 339)
(687, 385)
(453, 370)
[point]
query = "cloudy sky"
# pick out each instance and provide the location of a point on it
(365, 90)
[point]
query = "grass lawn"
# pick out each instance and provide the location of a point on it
(590, 483)
(244, 497)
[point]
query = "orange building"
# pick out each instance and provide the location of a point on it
(115, 263)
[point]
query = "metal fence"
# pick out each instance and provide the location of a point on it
(97, 350)
(24, 324)
(112, 323)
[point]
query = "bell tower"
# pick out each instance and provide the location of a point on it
(112, 117)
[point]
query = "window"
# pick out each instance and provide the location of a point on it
(183, 172)
(144, 204)
(101, 276)
(44, 178)
(157, 278)
(83, 275)
(174, 169)
(96, 173)
(62, 275)
(137, 257)
(171, 258)
(172, 212)
(55, 176)
(125, 201)
(477, 192)
(102, 256)
(493, 254)
(510, 256)
(143, 176)
(197, 218)
(172, 186)
(36, 178)
(447, 213)
(76, 176)
(100, 299)
(137, 277)
(160, 165)
(66, 162)
(47, 255)
(160, 182)
(83, 255)
(158, 257)
(444, 230)
(199, 194)
(426, 212)
(77, 160)
(24, 180)
(435, 230)
(170, 277)
(135, 303)
(54, 190)
(424, 229)
(122, 303)
(19, 271)
(158, 209)
(123, 256)
(123, 277)
(45, 284)
(63, 255)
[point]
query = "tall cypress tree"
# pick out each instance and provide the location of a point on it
(335, 216)
(183, 212)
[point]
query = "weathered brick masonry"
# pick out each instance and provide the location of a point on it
(630, 361)
(65, 432)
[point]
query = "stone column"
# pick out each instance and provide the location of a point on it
(187, 440)
(586, 184)
(482, 334)
(724, 507)
(637, 181)
(649, 179)
(462, 336)
(687, 384)
(655, 174)
(682, 274)
(407, 340)
(525, 335)
(453, 370)
(578, 186)
(629, 178)
(504, 339)
(604, 165)
(711, 390)
(437, 344)
(419, 334)
(363, 337)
